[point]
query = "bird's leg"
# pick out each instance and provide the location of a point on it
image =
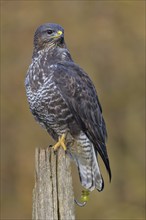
(60, 143)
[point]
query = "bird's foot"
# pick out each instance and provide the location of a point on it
(84, 198)
(60, 143)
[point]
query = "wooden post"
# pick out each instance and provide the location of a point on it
(53, 197)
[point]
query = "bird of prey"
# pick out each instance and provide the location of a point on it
(64, 101)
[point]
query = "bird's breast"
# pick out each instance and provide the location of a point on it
(47, 104)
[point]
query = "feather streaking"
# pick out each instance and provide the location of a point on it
(63, 100)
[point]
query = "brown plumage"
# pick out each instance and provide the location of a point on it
(63, 100)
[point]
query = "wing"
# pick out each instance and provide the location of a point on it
(79, 93)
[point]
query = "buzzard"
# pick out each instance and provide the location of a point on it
(64, 101)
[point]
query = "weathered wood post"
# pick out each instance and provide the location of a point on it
(53, 197)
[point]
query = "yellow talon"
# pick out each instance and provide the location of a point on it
(60, 143)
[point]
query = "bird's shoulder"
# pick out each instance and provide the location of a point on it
(75, 82)
(72, 72)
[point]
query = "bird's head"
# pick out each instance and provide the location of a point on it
(48, 35)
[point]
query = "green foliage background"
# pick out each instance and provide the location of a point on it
(106, 38)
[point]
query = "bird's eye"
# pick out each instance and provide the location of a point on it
(49, 32)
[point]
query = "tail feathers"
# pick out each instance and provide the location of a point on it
(90, 175)
(85, 156)
(102, 185)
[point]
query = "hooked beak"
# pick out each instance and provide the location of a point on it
(58, 34)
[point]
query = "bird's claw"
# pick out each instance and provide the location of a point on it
(60, 143)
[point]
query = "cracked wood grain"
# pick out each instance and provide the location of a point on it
(53, 197)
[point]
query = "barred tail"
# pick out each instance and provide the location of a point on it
(83, 153)
(89, 173)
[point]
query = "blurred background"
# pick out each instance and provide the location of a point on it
(106, 38)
